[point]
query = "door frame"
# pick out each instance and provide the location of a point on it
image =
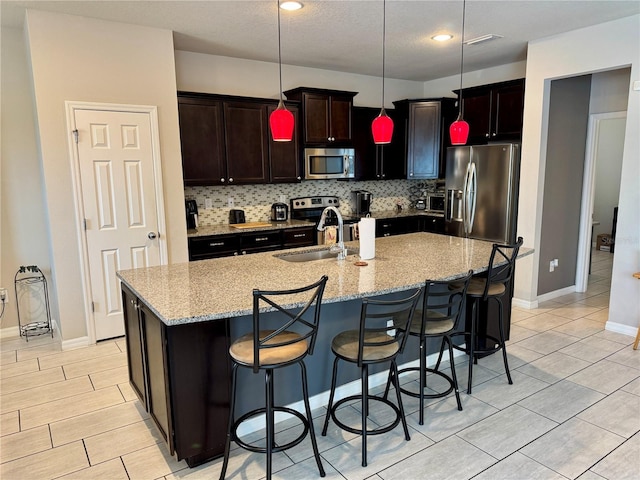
(152, 111)
(588, 194)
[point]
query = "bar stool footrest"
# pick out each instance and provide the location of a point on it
(276, 448)
(376, 431)
(432, 395)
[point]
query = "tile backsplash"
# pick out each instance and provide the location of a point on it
(256, 200)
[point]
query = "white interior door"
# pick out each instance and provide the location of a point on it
(116, 165)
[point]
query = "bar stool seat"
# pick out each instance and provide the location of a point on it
(270, 349)
(372, 344)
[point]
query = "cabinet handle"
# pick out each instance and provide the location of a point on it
(298, 235)
(486, 135)
(261, 239)
(230, 180)
(244, 252)
(216, 244)
(235, 253)
(299, 178)
(222, 180)
(384, 175)
(494, 134)
(411, 174)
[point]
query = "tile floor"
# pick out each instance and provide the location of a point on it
(572, 412)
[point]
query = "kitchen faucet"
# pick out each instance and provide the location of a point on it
(342, 251)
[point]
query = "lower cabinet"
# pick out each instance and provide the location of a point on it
(181, 375)
(433, 224)
(386, 227)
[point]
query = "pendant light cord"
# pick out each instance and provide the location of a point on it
(279, 50)
(384, 36)
(461, 59)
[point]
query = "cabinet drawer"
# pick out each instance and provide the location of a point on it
(260, 241)
(434, 224)
(299, 237)
(213, 246)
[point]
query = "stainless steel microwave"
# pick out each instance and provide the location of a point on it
(323, 163)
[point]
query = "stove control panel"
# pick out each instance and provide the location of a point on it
(314, 202)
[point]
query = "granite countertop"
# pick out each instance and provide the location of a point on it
(225, 228)
(222, 288)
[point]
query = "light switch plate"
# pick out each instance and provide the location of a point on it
(636, 85)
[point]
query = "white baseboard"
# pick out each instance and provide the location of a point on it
(322, 399)
(556, 293)
(9, 332)
(518, 302)
(621, 328)
(76, 343)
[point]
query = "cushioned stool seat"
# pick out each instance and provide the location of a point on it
(242, 349)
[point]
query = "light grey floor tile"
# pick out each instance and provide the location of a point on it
(382, 451)
(307, 469)
(7, 357)
(518, 315)
(95, 365)
(498, 393)
(19, 368)
(502, 434)
(627, 356)
(45, 393)
(633, 387)
(575, 398)
(452, 459)
(481, 374)
(31, 380)
(589, 475)
(9, 423)
(113, 376)
(574, 310)
(111, 470)
(79, 355)
(553, 367)
(151, 463)
(517, 333)
(617, 413)
(605, 376)
(517, 466)
(573, 447)
(516, 356)
(127, 392)
(24, 443)
(598, 301)
(623, 463)
(544, 321)
(121, 441)
(37, 351)
(581, 327)
(548, 342)
(51, 463)
(615, 337)
(592, 349)
(601, 316)
(443, 419)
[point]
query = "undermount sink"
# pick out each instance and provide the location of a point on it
(312, 255)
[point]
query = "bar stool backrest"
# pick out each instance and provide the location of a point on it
(443, 300)
(501, 273)
(303, 320)
(376, 323)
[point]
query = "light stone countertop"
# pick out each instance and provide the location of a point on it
(222, 288)
(225, 229)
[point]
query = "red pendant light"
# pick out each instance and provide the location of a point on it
(382, 125)
(281, 120)
(459, 130)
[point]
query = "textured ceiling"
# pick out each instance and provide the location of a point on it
(347, 35)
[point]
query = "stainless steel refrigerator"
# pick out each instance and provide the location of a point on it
(482, 192)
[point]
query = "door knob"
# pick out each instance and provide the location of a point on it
(152, 235)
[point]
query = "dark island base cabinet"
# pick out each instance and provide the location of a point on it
(386, 227)
(181, 375)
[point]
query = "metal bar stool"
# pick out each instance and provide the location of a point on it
(442, 306)
(266, 350)
(500, 272)
(374, 342)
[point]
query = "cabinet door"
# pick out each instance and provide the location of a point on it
(392, 157)
(202, 141)
(213, 246)
(424, 140)
(434, 224)
(340, 124)
(366, 155)
(157, 374)
(135, 342)
(284, 157)
(316, 118)
(299, 237)
(246, 130)
(508, 107)
(477, 113)
(260, 241)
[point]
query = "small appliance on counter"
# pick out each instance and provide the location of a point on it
(191, 208)
(279, 212)
(236, 216)
(421, 204)
(361, 201)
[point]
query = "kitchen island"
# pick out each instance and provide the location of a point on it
(181, 318)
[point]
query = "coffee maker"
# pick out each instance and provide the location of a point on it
(191, 208)
(361, 200)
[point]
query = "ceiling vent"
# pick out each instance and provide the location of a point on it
(482, 39)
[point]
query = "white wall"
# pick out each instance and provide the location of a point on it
(607, 46)
(82, 59)
(198, 72)
(24, 236)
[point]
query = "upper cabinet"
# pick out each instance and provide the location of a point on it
(494, 112)
(378, 162)
(427, 135)
(226, 140)
(326, 115)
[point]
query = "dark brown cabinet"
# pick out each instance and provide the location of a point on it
(326, 115)
(427, 135)
(433, 224)
(494, 112)
(226, 140)
(185, 396)
(386, 227)
(378, 162)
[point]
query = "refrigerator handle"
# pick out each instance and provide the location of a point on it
(473, 192)
(465, 201)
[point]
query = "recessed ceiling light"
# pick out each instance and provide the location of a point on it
(443, 37)
(290, 5)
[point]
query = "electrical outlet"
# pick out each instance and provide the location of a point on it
(230, 202)
(552, 265)
(283, 199)
(208, 203)
(4, 298)
(555, 262)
